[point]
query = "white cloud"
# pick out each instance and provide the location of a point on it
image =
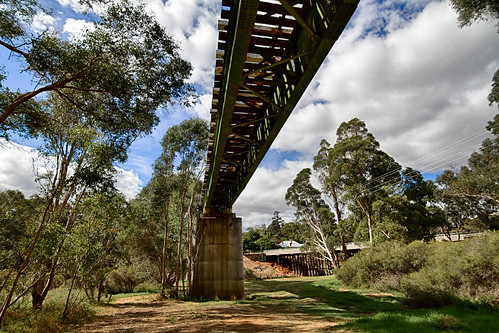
(42, 22)
(265, 194)
(75, 28)
(193, 24)
(20, 165)
(17, 168)
(414, 87)
(127, 182)
(202, 108)
(75, 5)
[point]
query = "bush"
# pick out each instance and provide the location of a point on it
(249, 274)
(121, 281)
(430, 275)
(383, 266)
(468, 270)
(46, 319)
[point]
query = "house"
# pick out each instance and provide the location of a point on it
(290, 244)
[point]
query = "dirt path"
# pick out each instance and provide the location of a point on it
(142, 314)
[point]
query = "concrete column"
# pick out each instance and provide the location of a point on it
(218, 270)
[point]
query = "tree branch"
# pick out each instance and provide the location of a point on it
(13, 49)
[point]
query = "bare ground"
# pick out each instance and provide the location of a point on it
(142, 314)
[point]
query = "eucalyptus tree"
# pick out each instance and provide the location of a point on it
(331, 189)
(419, 206)
(187, 143)
(15, 212)
(78, 157)
(311, 209)
(96, 245)
(119, 71)
(364, 172)
(173, 195)
(472, 193)
(479, 178)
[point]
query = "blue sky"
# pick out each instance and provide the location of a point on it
(404, 67)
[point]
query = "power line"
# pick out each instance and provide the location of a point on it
(442, 150)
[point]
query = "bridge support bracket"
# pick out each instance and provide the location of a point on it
(218, 270)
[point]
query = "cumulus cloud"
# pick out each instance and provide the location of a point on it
(75, 28)
(18, 168)
(419, 88)
(42, 22)
(127, 182)
(193, 24)
(265, 194)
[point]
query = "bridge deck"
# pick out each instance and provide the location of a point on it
(268, 52)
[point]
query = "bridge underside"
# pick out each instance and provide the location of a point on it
(268, 53)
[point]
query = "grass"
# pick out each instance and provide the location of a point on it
(364, 310)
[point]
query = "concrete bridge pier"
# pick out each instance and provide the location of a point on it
(218, 270)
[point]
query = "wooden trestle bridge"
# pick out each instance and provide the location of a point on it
(268, 53)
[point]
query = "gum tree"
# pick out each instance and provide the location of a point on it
(312, 210)
(119, 70)
(364, 171)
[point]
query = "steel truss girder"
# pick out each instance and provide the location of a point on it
(262, 77)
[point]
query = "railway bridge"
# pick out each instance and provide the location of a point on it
(268, 53)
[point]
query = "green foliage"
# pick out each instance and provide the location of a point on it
(296, 231)
(260, 238)
(430, 275)
(468, 270)
(250, 237)
(383, 266)
(266, 243)
(163, 232)
(470, 196)
(123, 280)
(118, 73)
(46, 319)
(363, 172)
(15, 213)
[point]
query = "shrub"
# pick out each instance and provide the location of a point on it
(47, 319)
(383, 266)
(468, 270)
(121, 281)
(430, 275)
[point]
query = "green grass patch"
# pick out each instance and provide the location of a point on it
(318, 296)
(365, 310)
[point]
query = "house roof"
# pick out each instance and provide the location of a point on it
(290, 243)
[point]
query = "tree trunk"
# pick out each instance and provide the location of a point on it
(66, 230)
(164, 250)
(370, 227)
(190, 239)
(100, 289)
(339, 219)
(37, 293)
(179, 245)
